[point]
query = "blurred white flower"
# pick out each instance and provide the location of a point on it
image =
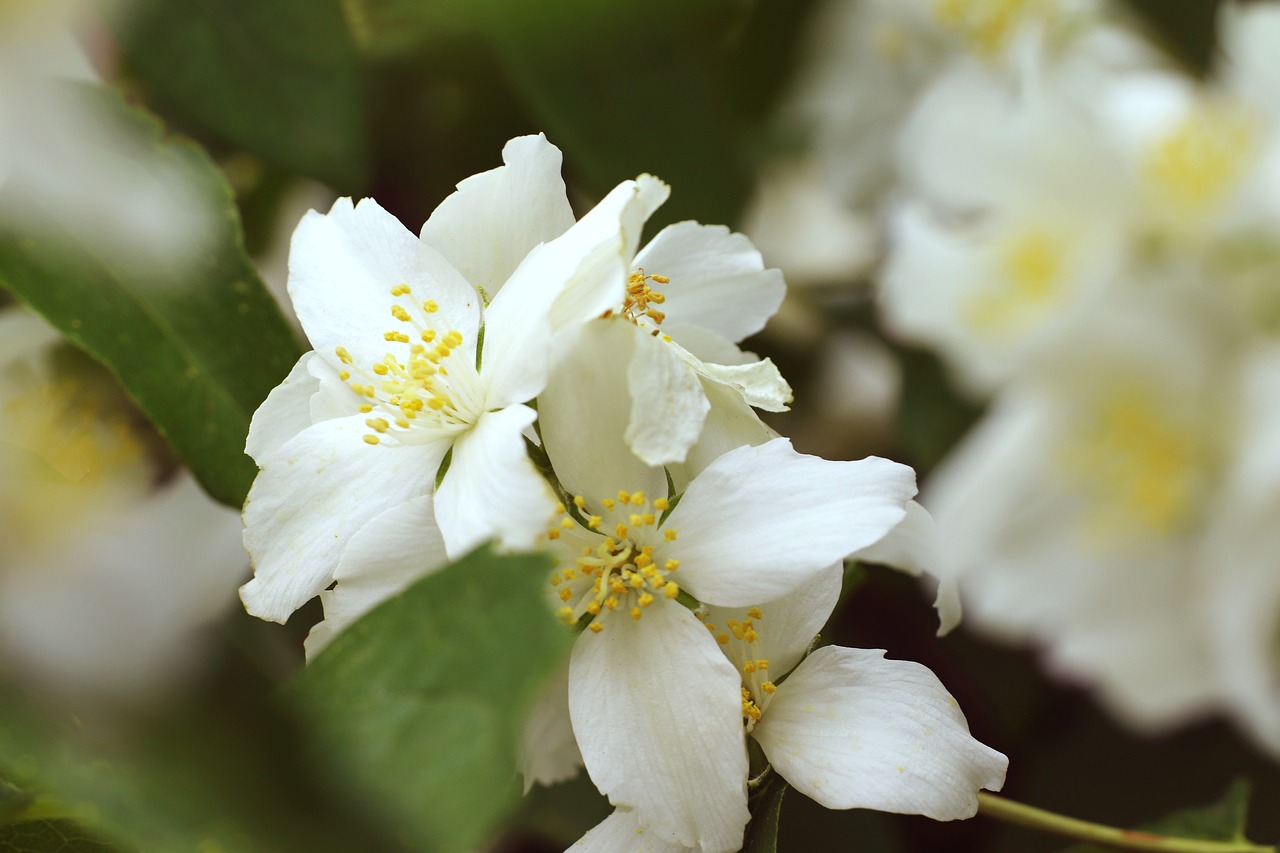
(105, 575)
(67, 163)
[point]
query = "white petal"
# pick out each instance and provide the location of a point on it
(568, 281)
(668, 406)
(311, 497)
(386, 555)
(491, 488)
(730, 424)
(912, 547)
(486, 228)
(622, 831)
(658, 714)
(718, 279)
(788, 625)
(760, 520)
(342, 267)
(583, 415)
(285, 413)
(759, 383)
(550, 752)
(852, 730)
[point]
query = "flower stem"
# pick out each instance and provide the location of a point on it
(1124, 839)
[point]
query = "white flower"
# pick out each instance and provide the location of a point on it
(669, 351)
(400, 378)
(848, 728)
(104, 577)
(655, 706)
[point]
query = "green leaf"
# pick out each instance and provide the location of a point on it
(197, 342)
(1224, 820)
(279, 78)
(50, 836)
(425, 696)
(13, 800)
(766, 812)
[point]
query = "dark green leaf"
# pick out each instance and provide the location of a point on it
(279, 78)
(766, 812)
(425, 696)
(50, 836)
(12, 800)
(198, 342)
(1221, 821)
(1186, 28)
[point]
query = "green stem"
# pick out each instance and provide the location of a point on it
(1124, 839)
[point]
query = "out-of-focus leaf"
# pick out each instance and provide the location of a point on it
(425, 696)
(12, 800)
(279, 78)
(933, 416)
(50, 836)
(627, 87)
(1186, 28)
(196, 340)
(1221, 821)
(766, 812)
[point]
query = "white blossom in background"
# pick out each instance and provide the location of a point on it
(751, 526)
(106, 577)
(1112, 505)
(65, 162)
(400, 377)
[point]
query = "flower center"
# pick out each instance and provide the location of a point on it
(600, 574)
(62, 456)
(743, 644)
(638, 305)
(424, 384)
(1193, 168)
(1030, 270)
(985, 24)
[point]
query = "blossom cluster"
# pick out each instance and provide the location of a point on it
(518, 375)
(1089, 237)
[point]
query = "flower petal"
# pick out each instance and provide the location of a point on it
(718, 279)
(668, 406)
(760, 520)
(568, 281)
(912, 547)
(311, 497)
(850, 729)
(658, 714)
(495, 218)
(788, 625)
(285, 413)
(622, 831)
(730, 424)
(491, 488)
(386, 555)
(342, 267)
(550, 752)
(583, 414)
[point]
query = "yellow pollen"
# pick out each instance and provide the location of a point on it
(566, 613)
(381, 369)
(636, 613)
(553, 533)
(400, 290)
(596, 627)
(671, 565)
(559, 506)
(762, 664)
(671, 589)
(723, 639)
(749, 667)
(611, 603)
(579, 501)
(398, 337)
(661, 504)
(608, 503)
(343, 355)
(594, 522)
(768, 687)
(377, 424)
(344, 375)
(429, 336)
(430, 306)
(566, 522)
(670, 535)
(565, 593)
(593, 607)
(620, 531)
(637, 498)
(642, 560)
(365, 408)
(624, 497)
(649, 520)
(399, 313)
(755, 613)
(660, 279)
(371, 439)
